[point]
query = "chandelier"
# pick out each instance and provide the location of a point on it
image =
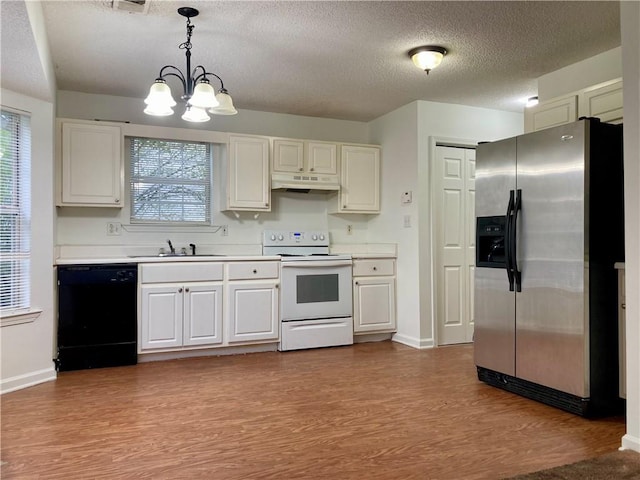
(198, 94)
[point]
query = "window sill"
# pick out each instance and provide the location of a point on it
(17, 318)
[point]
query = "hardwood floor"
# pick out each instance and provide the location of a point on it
(370, 411)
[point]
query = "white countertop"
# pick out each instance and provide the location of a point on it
(156, 259)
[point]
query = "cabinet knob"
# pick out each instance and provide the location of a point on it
(277, 285)
(344, 206)
(266, 204)
(312, 170)
(117, 200)
(623, 306)
(357, 283)
(255, 271)
(180, 290)
(186, 289)
(375, 268)
(300, 169)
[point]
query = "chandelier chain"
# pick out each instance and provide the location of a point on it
(187, 44)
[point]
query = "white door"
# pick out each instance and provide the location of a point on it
(253, 311)
(161, 317)
(454, 232)
(202, 314)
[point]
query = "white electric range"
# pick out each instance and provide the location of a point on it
(316, 304)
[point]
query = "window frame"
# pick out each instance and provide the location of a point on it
(20, 310)
(213, 150)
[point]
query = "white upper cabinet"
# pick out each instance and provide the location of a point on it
(248, 182)
(91, 166)
(550, 114)
(305, 156)
(603, 101)
(359, 180)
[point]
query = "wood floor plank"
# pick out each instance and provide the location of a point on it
(375, 411)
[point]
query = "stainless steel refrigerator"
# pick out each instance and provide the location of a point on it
(549, 228)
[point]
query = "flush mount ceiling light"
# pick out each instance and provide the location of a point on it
(531, 102)
(428, 57)
(198, 94)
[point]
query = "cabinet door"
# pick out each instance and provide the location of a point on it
(161, 317)
(322, 158)
(603, 102)
(374, 304)
(92, 167)
(252, 311)
(288, 156)
(202, 324)
(248, 178)
(550, 114)
(360, 179)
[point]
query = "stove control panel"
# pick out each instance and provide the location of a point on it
(295, 238)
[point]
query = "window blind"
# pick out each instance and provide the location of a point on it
(15, 212)
(170, 181)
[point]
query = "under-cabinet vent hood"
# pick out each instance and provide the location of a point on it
(305, 182)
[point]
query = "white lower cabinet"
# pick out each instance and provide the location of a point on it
(252, 310)
(252, 301)
(196, 305)
(180, 315)
(374, 296)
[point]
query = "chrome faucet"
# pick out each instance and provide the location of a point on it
(171, 249)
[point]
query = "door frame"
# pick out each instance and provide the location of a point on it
(434, 142)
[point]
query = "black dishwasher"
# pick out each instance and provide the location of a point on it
(97, 311)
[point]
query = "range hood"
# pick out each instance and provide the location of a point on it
(305, 182)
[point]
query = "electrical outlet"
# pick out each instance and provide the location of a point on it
(114, 228)
(349, 229)
(225, 230)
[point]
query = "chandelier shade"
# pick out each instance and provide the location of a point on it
(198, 94)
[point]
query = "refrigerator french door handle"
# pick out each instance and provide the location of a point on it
(514, 241)
(507, 242)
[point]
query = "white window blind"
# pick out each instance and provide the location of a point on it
(15, 212)
(170, 181)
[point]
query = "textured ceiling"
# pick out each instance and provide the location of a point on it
(343, 60)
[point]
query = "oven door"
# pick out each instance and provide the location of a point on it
(316, 289)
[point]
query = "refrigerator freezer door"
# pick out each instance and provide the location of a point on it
(494, 334)
(551, 335)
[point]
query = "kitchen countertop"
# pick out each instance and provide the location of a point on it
(172, 259)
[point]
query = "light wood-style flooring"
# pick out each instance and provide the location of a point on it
(368, 411)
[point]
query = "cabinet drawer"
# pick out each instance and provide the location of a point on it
(253, 270)
(372, 267)
(181, 272)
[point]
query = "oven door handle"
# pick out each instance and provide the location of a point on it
(317, 263)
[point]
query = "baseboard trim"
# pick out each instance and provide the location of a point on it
(208, 352)
(413, 342)
(629, 442)
(27, 380)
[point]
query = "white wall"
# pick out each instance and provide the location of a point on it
(408, 137)
(593, 70)
(27, 349)
(630, 25)
(87, 226)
